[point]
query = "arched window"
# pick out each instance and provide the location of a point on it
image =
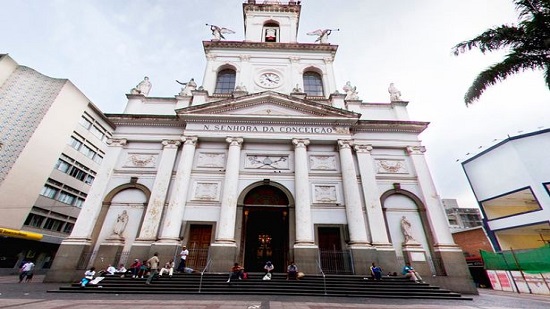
(225, 83)
(313, 84)
(271, 32)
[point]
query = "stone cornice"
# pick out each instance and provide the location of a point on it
(145, 120)
(210, 45)
(390, 126)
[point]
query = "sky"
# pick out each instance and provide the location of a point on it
(106, 47)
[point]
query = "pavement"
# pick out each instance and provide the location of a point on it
(35, 295)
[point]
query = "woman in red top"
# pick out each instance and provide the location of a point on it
(134, 268)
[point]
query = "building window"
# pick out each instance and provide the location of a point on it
(53, 224)
(98, 158)
(68, 228)
(66, 198)
(97, 132)
(73, 142)
(225, 82)
(78, 202)
(48, 191)
(85, 122)
(87, 151)
(62, 166)
(313, 84)
(34, 220)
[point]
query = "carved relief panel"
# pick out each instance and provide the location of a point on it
(206, 191)
(326, 193)
(391, 166)
(141, 160)
(322, 162)
(211, 160)
(271, 162)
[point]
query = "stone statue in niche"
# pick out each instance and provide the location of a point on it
(406, 229)
(120, 224)
(143, 87)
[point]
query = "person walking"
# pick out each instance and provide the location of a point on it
(26, 270)
(153, 264)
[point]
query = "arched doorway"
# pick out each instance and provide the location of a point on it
(265, 228)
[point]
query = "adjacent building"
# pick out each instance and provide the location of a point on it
(511, 183)
(266, 160)
(53, 142)
(461, 218)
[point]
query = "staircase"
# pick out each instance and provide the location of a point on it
(311, 285)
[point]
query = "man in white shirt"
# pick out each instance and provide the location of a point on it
(183, 257)
(26, 269)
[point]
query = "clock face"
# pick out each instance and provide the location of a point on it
(269, 80)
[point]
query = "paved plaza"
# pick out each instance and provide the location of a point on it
(35, 295)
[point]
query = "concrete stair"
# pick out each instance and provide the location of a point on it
(310, 285)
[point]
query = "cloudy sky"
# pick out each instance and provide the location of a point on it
(105, 47)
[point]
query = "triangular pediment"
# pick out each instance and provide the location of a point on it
(267, 104)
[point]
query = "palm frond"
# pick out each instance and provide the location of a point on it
(492, 39)
(512, 64)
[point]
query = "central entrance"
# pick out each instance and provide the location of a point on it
(265, 228)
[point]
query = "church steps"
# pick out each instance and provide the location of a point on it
(312, 285)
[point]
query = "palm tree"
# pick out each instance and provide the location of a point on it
(528, 44)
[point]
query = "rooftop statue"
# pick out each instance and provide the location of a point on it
(322, 35)
(143, 87)
(218, 32)
(351, 92)
(395, 94)
(188, 87)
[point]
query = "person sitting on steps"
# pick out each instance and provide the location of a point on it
(236, 272)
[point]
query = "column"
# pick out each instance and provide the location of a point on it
(434, 211)
(304, 226)
(375, 215)
(173, 216)
(228, 212)
(92, 206)
(153, 214)
(354, 211)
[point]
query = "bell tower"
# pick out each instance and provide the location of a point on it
(271, 21)
(270, 58)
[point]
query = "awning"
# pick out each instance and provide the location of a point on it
(20, 234)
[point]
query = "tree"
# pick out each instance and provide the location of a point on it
(528, 46)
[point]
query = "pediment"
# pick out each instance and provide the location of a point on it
(267, 104)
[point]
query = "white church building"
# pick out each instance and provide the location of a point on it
(266, 161)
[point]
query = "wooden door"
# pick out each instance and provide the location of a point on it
(200, 237)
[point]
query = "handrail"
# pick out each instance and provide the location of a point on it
(202, 273)
(324, 278)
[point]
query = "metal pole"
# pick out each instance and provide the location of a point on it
(520, 271)
(508, 266)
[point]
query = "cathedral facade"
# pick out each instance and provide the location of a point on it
(266, 160)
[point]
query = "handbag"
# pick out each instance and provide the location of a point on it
(267, 276)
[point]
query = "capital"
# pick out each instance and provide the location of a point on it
(117, 142)
(363, 148)
(189, 140)
(300, 143)
(170, 143)
(345, 143)
(415, 150)
(234, 141)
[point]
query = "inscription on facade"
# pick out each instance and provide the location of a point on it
(273, 129)
(206, 191)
